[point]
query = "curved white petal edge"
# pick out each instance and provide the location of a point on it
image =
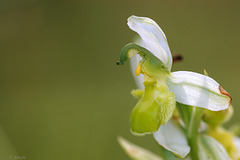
(171, 138)
(152, 37)
(237, 143)
(198, 90)
(209, 148)
(136, 152)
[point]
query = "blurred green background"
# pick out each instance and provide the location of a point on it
(63, 97)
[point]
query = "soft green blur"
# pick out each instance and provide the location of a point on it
(62, 94)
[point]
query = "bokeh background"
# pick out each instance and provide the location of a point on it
(62, 95)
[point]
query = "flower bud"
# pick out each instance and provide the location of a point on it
(216, 118)
(226, 138)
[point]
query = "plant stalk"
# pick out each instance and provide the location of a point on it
(191, 117)
(192, 131)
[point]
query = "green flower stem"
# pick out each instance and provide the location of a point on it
(192, 131)
(191, 117)
(185, 113)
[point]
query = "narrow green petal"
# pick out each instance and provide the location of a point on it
(138, 93)
(150, 64)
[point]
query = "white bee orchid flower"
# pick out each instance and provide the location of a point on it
(162, 88)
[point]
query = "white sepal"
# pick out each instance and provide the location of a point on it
(198, 90)
(171, 138)
(153, 38)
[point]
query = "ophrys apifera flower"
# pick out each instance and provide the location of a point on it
(152, 61)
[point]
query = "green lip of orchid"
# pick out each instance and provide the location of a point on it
(162, 87)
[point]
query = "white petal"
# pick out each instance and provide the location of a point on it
(153, 38)
(171, 138)
(136, 152)
(198, 90)
(209, 148)
(134, 60)
(237, 143)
